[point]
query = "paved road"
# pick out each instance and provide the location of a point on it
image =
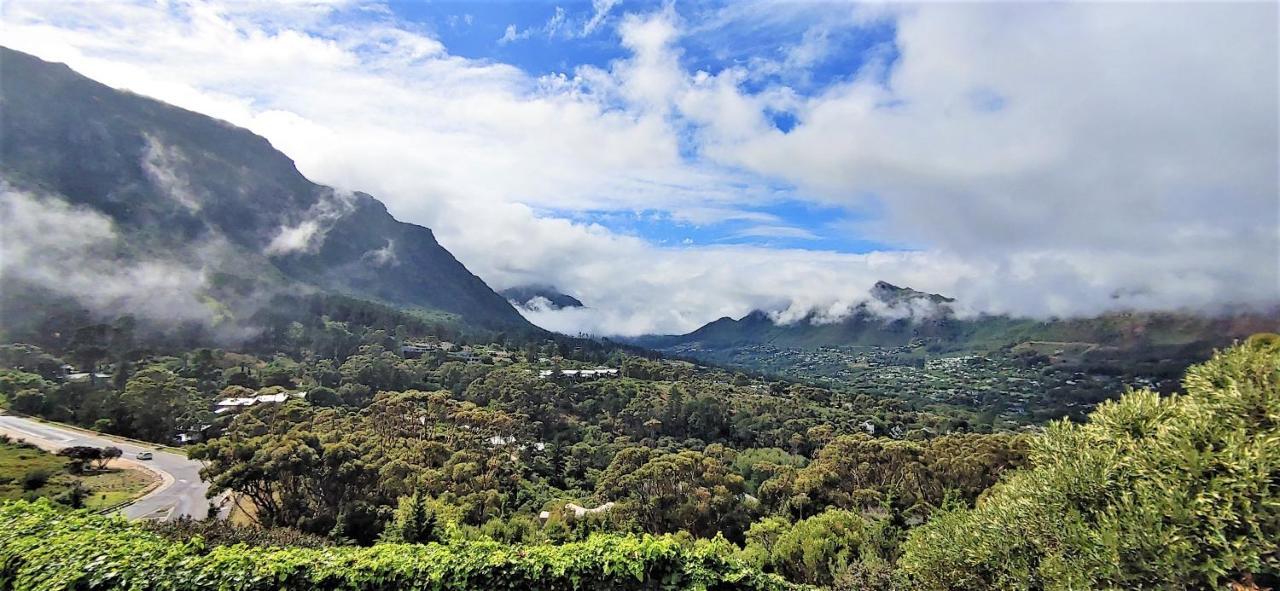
(181, 493)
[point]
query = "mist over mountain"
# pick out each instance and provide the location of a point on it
(125, 204)
(539, 297)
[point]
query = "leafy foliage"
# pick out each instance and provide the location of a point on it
(1180, 491)
(44, 549)
(813, 550)
(413, 523)
(908, 477)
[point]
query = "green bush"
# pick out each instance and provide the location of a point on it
(46, 549)
(35, 478)
(826, 549)
(1153, 492)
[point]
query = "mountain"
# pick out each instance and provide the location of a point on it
(527, 296)
(893, 295)
(211, 202)
(897, 316)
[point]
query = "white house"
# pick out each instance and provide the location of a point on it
(236, 404)
(586, 374)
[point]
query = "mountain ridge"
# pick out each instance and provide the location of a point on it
(937, 323)
(182, 187)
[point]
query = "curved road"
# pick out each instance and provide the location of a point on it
(181, 492)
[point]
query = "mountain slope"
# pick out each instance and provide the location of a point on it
(192, 190)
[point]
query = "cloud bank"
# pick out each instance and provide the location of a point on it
(1037, 159)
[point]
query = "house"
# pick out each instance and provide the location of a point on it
(586, 374)
(191, 435)
(502, 440)
(416, 350)
(85, 376)
(580, 511)
(237, 404)
(233, 404)
(466, 355)
(497, 440)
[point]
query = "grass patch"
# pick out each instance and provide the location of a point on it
(21, 465)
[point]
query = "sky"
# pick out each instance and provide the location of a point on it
(670, 163)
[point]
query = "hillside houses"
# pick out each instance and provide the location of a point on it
(227, 405)
(579, 374)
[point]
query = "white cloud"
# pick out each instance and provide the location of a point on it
(601, 10)
(308, 233)
(1131, 161)
(291, 239)
(776, 232)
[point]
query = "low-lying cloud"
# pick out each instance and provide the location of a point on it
(307, 235)
(72, 251)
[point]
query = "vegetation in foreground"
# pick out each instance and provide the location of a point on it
(1152, 492)
(43, 548)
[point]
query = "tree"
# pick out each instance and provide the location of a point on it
(80, 457)
(30, 401)
(414, 522)
(689, 490)
(90, 345)
(907, 477)
(13, 381)
(322, 396)
(155, 398)
(107, 454)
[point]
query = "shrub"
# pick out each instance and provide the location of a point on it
(35, 478)
(812, 550)
(74, 496)
(1152, 492)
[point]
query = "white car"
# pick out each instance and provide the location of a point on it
(144, 455)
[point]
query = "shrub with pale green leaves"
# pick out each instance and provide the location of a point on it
(1152, 492)
(827, 549)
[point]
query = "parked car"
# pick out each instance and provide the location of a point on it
(144, 455)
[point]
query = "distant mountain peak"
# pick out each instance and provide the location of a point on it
(892, 294)
(536, 296)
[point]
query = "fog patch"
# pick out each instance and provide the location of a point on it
(382, 257)
(72, 251)
(536, 304)
(161, 164)
(308, 234)
(913, 307)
